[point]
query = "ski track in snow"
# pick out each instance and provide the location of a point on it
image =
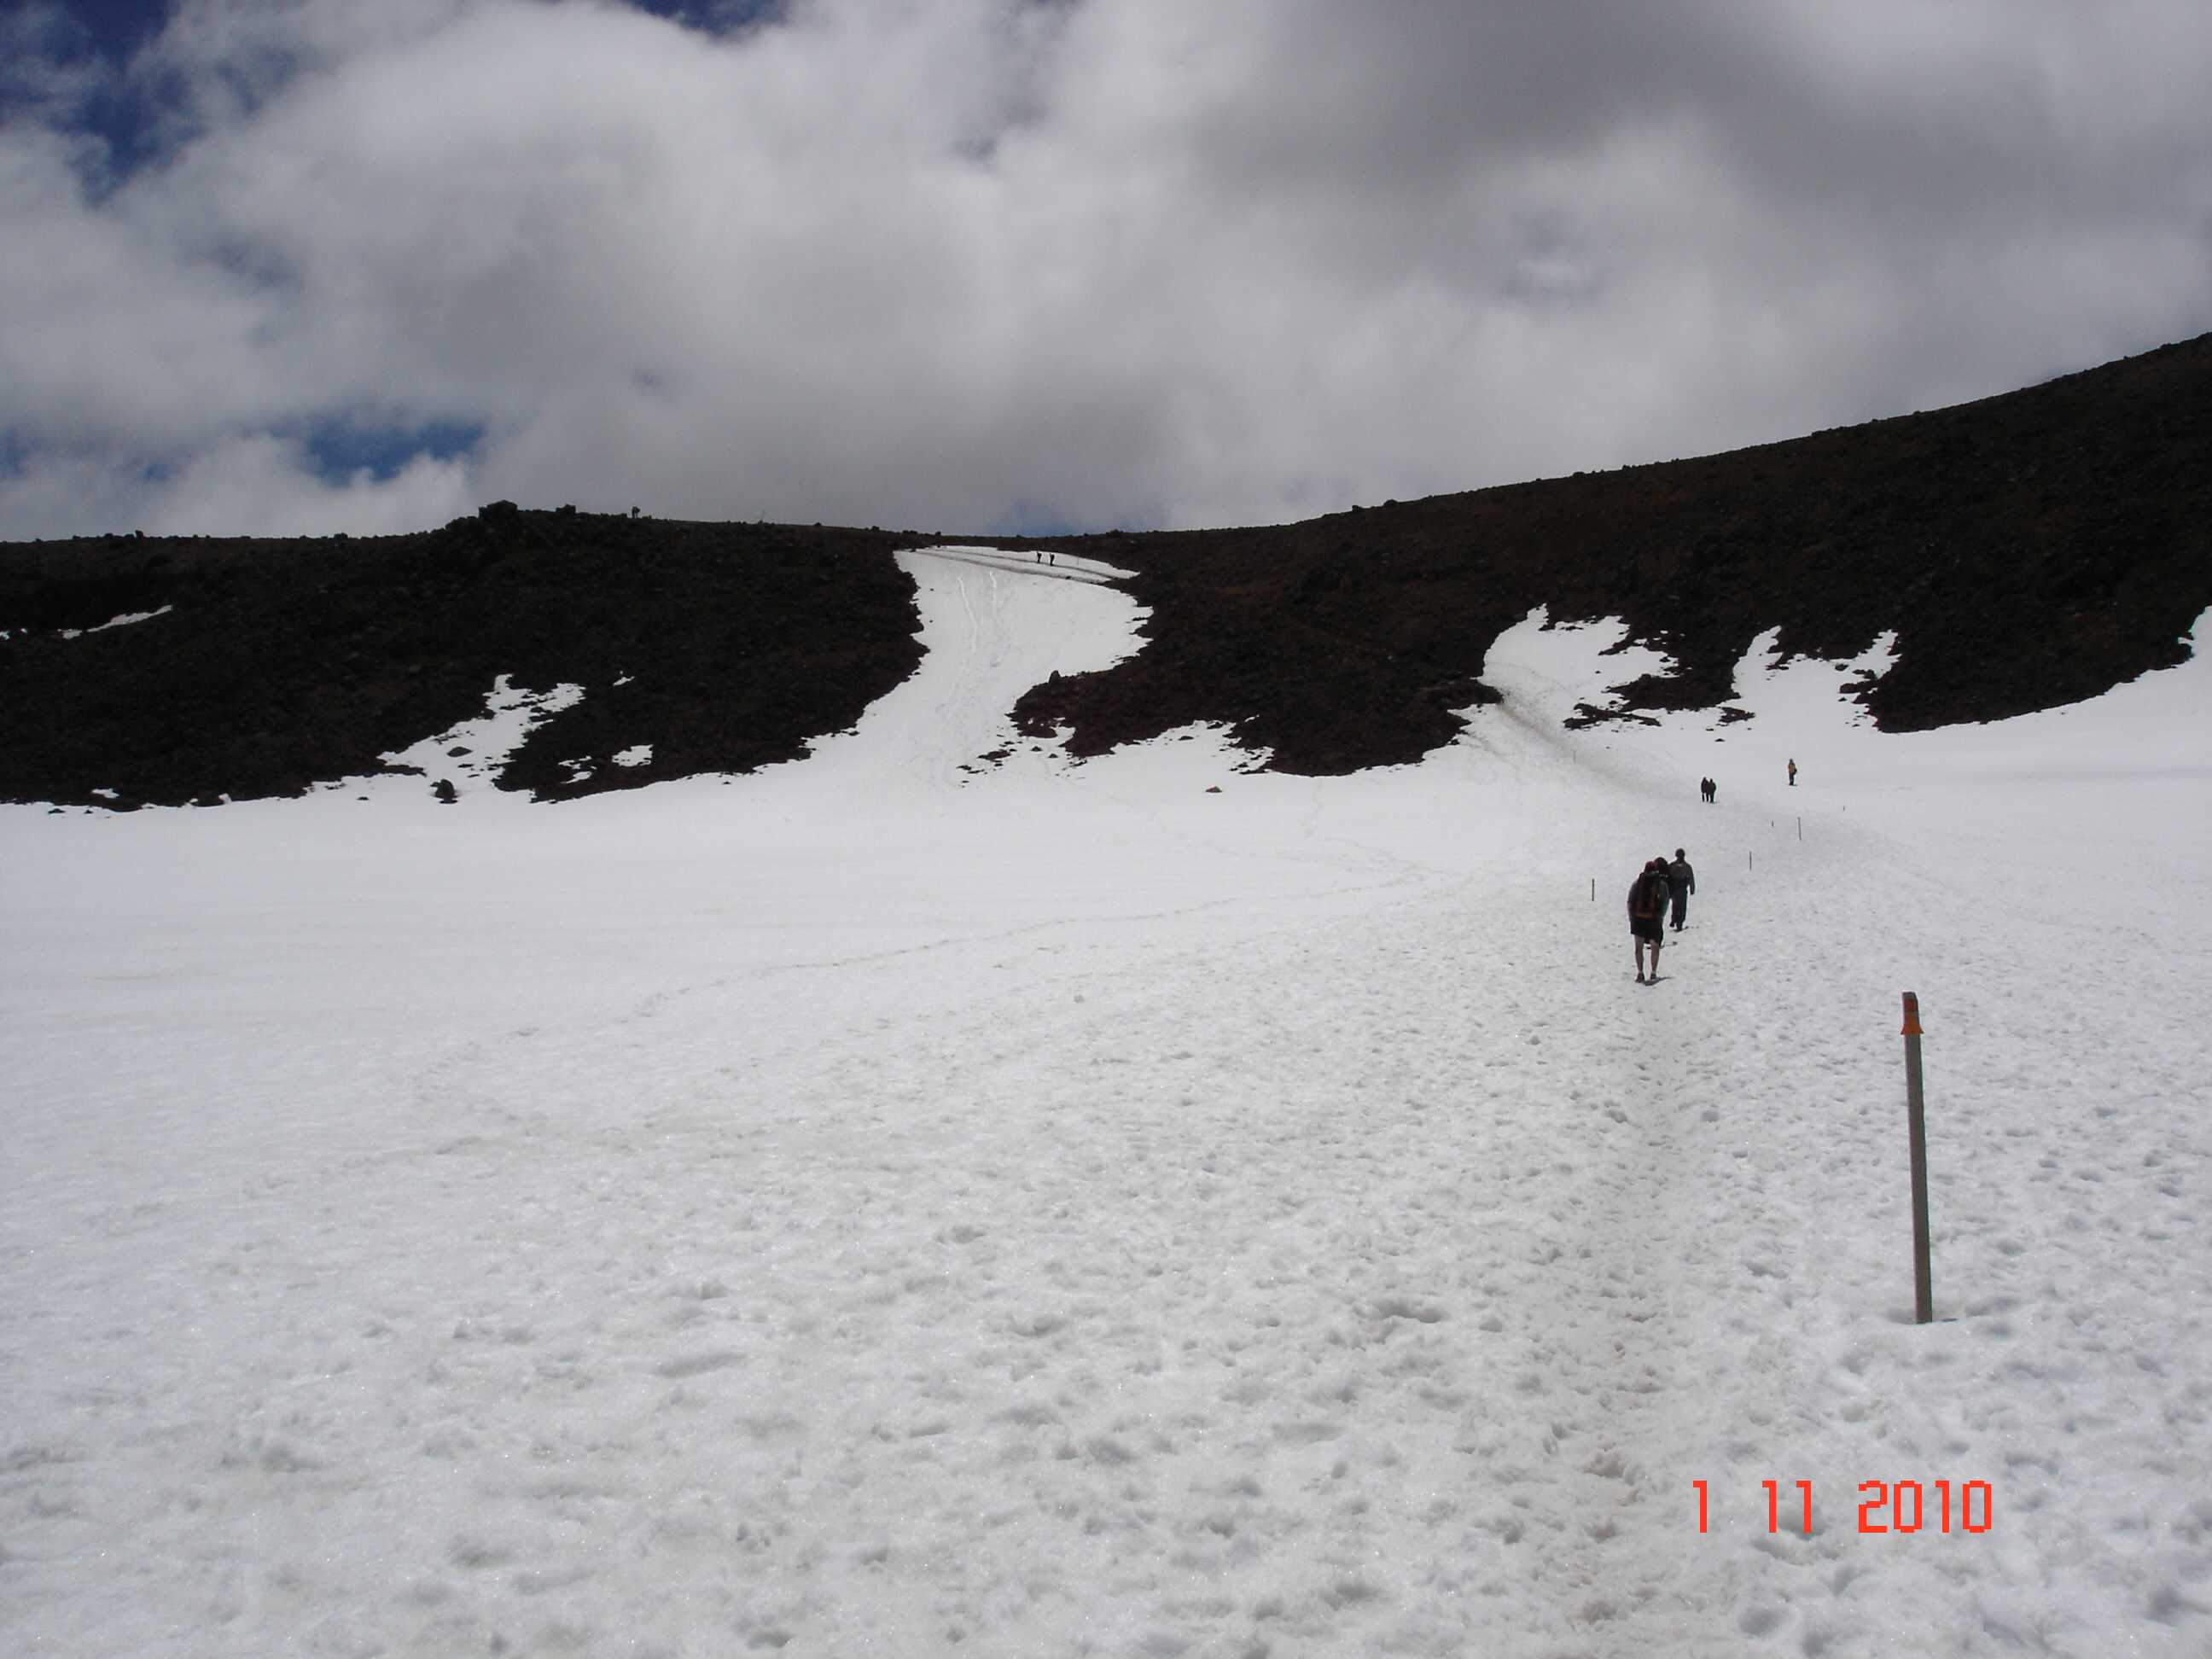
(1297, 1237)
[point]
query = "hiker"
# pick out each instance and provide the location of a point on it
(1682, 882)
(1712, 791)
(1647, 910)
(1793, 773)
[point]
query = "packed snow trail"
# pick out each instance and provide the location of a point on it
(1060, 567)
(881, 1207)
(1226, 1303)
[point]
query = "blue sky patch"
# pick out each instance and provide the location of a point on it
(342, 449)
(70, 72)
(717, 16)
(111, 28)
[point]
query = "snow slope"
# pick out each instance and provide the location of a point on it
(902, 1203)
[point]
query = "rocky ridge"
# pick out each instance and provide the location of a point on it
(2026, 550)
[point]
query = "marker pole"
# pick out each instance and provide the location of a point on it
(1916, 1113)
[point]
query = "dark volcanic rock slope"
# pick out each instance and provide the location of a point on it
(279, 664)
(2028, 551)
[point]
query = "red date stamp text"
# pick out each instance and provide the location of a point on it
(1908, 1506)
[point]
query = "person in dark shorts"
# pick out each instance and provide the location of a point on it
(1647, 916)
(1682, 882)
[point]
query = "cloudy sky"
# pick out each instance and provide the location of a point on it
(304, 265)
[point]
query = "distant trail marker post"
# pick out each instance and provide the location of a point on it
(1923, 1294)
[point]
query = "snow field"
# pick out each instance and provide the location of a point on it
(881, 1207)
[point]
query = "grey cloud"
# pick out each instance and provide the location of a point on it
(1340, 96)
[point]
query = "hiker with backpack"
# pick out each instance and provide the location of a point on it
(1682, 882)
(1647, 911)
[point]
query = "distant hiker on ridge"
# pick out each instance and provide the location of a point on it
(1793, 773)
(1647, 911)
(1682, 882)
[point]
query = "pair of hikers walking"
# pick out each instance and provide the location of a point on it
(1659, 889)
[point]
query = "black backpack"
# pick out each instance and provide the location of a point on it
(1650, 894)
